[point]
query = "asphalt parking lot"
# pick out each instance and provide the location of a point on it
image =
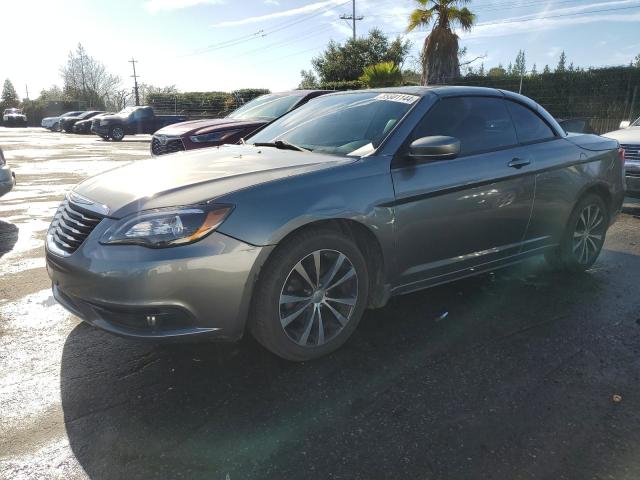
(520, 374)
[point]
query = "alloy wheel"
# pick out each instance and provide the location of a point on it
(588, 234)
(318, 297)
(117, 133)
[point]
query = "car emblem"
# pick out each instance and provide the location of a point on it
(163, 139)
(79, 199)
(88, 204)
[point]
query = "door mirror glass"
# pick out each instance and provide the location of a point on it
(434, 148)
(625, 124)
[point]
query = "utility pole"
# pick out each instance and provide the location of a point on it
(26, 87)
(133, 62)
(352, 17)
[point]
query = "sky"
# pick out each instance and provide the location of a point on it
(206, 45)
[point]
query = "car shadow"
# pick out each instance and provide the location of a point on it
(8, 237)
(478, 378)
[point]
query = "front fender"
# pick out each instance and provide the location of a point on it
(265, 214)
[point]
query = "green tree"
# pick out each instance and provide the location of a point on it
(562, 63)
(498, 71)
(636, 61)
(309, 80)
(9, 97)
(534, 70)
(481, 70)
(546, 70)
(440, 61)
(340, 62)
(384, 74)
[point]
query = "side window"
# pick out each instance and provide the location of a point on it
(529, 126)
(480, 123)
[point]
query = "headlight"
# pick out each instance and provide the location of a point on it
(167, 227)
(213, 136)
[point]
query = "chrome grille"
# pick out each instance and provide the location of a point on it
(631, 152)
(71, 225)
(171, 145)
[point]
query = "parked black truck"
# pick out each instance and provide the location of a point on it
(130, 121)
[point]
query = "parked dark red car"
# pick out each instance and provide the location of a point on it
(241, 122)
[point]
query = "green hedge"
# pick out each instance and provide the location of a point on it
(343, 85)
(594, 93)
(195, 104)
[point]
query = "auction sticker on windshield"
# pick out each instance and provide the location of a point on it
(397, 97)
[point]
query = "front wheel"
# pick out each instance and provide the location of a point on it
(310, 296)
(584, 236)
(116, 133)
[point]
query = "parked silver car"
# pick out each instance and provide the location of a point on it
(7, 177)
(629, 138)
(331, 209)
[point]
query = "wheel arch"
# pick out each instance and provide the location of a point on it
(602, 190)
(369, 245)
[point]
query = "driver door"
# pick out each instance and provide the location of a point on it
(457, 215)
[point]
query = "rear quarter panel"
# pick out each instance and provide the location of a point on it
(565, 171)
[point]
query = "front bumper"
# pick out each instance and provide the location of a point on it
(102, 130)
(202, 288)
(7, 180)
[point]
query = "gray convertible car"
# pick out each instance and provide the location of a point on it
(330, 210)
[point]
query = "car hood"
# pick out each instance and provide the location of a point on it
(194, 177)
(626, 135)
(204, 126)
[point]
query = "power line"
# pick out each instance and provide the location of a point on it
(264, 32)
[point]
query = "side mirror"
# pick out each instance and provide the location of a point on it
(434, 148)
(625, 124)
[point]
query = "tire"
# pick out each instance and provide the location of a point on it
(116, 134)
(106, 139)
(292, 331)
(584, 236)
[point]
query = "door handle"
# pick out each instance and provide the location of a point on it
(519, 162)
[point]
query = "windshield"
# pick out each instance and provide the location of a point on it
(265, 106)
(346, 124)
(12, 110)
(70, 114)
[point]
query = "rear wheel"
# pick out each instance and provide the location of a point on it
(584, 237)
(116, 133)
(310, 296)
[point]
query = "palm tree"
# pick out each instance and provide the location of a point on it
(384, 74)
(440, 51)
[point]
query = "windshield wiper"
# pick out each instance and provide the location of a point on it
(282, 145)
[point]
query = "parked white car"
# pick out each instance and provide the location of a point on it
(629, 138)
(53, 123)
(13, 117)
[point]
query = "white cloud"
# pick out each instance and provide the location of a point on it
(160, 5)
(534, 26)
(312, 7)
(271, 2)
